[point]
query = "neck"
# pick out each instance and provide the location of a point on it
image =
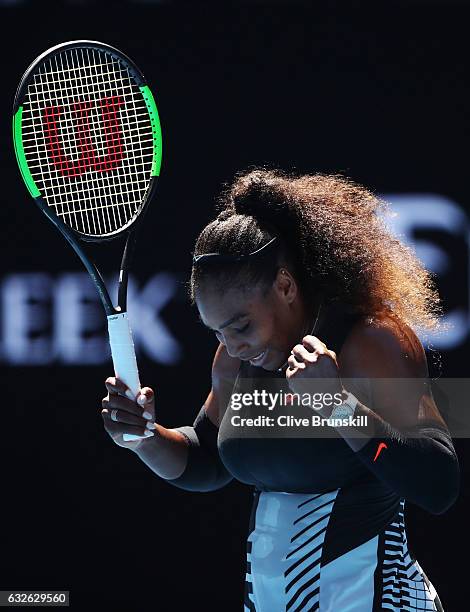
(312, 322)
(309, 326)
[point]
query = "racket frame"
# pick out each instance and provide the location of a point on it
(73, 236)
(120, 335)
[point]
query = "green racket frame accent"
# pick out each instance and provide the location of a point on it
(156, 129)
(20, 156)
(156, 132)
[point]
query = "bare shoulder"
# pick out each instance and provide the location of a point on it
(224, 374)
(383, 346)
(387, 358)
(224, 367)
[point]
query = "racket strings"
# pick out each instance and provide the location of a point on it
(88, 140)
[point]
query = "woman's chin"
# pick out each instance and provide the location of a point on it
(272, 363)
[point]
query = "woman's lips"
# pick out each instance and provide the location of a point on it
(258, 359)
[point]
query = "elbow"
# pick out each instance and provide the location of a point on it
(444, 490)
(221, 479)
(206, 484)
(441, 505)
(207, 487)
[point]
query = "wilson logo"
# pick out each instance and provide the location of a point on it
(87, 157)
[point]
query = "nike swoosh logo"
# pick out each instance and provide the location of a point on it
(381, 446)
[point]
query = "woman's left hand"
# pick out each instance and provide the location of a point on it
(313, 368)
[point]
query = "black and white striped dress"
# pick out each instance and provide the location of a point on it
(290, 566)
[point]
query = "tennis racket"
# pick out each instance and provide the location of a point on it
(88, 143)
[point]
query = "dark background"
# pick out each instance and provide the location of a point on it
(376, 91)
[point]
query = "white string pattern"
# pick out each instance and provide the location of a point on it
(88, 141)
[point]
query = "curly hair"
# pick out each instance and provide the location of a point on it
(331, 236)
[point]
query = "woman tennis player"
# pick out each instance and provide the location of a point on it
(306, 289)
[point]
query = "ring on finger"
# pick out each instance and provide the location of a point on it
(114, 415)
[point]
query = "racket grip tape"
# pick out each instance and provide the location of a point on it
(124, 359)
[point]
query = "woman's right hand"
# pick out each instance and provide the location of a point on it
(127, 416)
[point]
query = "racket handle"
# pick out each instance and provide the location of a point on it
(124, 360)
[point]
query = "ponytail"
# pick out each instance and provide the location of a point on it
(331, 237)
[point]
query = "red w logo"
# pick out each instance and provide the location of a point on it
(88, 158)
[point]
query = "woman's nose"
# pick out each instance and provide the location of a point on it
(234, 349)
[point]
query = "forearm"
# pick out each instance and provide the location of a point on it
(187, 457)
(204, 469)
(166, 453)
(419, 463)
